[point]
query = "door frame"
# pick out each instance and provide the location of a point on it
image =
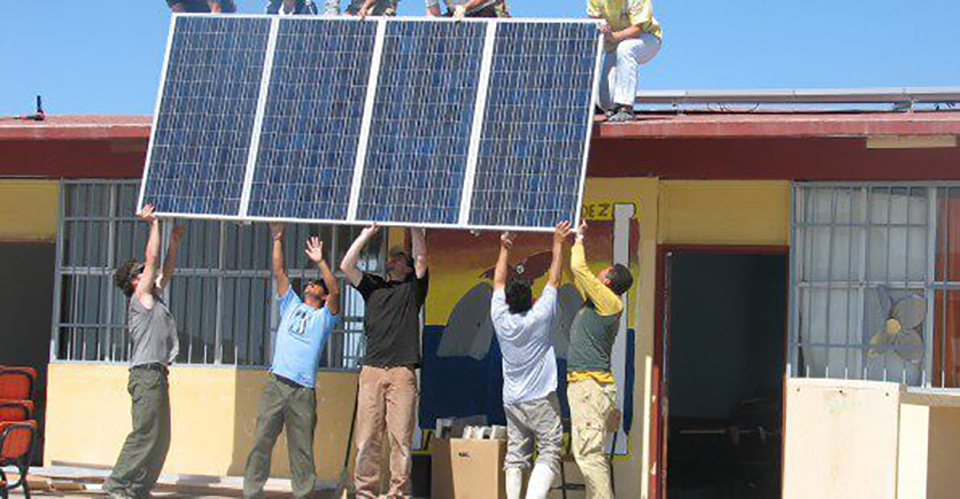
(661, 342)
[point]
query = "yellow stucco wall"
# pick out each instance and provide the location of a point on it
(214, 413)
(632, 478)
(724, 212)
(28, 209)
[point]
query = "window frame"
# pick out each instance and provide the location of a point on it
(930, 283)
(348, 333)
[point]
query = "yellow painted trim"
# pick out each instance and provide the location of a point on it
(911, 141)
(28, 209)
(724, 212)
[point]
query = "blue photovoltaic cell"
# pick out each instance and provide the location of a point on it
(311, 124)
(423, 114)
(536, 124)
(206, 115)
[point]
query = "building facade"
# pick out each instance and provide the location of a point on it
(764, 246)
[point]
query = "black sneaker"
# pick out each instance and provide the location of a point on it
(624, 114)
(599, 111)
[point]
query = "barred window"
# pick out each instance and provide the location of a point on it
(221, 294)
(875, 269)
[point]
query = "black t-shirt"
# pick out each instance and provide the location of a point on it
(391, 320)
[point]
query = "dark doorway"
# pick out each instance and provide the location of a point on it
(725, 344)
(26, 305)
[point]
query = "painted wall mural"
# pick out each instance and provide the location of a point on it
(461, 373)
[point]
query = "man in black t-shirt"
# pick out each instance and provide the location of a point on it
(388, 391)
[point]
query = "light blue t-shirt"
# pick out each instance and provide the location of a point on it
(303, 331)
(529, 362)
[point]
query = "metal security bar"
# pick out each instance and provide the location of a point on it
(870, 266)
(221, 295)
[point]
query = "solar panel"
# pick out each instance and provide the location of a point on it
(536, 127)
(205, 117)
(311, 124)
(421, 123)
(475, 124)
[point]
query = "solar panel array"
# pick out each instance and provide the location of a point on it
(476, 124)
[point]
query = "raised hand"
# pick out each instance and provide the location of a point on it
(582, 230)
(370, 230)
(276, 231)
(146, 214)
(506, 240)
(561, 232)
(314, 249)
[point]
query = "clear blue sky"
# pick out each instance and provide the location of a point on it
(104, 56)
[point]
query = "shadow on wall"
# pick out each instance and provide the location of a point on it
(335, 394)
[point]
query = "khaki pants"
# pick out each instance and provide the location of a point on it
(145, 449)
(387, 399)
(534, 420)
(283, 404)
(590, 406)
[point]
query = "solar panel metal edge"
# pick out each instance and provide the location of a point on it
(420, 137)
(383, 223)
(297, 143)
(231, 206)
(156, 110)
(580, 178)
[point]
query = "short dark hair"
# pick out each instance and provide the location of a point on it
(318, 282)
(123, 276)
(620, 279)
(519, 296)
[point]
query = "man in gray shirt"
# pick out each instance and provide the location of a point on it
(155, 346)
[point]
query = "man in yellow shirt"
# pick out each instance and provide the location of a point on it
(590, 385)
(632, 37)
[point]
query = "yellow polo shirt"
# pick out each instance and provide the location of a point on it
(621, 14)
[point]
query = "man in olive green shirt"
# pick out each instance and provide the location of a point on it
(590, 384)
(632, 37)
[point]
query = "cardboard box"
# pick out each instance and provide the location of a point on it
(467, 469)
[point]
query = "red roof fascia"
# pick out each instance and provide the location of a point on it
(783, 124)
(77, 128)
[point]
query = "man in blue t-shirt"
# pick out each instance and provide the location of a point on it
(289, 398)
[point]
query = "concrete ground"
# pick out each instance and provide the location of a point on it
(70, 482)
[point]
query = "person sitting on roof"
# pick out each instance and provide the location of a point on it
(459, 9)
(291, 8)
(632, 37)
(203, 6)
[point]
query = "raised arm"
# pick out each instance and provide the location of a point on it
(590, 286)
(170, 261)
(349, 263)
(279, 267)
(502, 270)
(151, 258)
(315, 252)
(418, 238)
(560, 234)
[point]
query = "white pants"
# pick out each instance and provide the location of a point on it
(618, 76)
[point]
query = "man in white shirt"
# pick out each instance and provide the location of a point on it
(529, 370)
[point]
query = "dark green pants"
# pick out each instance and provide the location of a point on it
(283, 404)
(145, 449)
